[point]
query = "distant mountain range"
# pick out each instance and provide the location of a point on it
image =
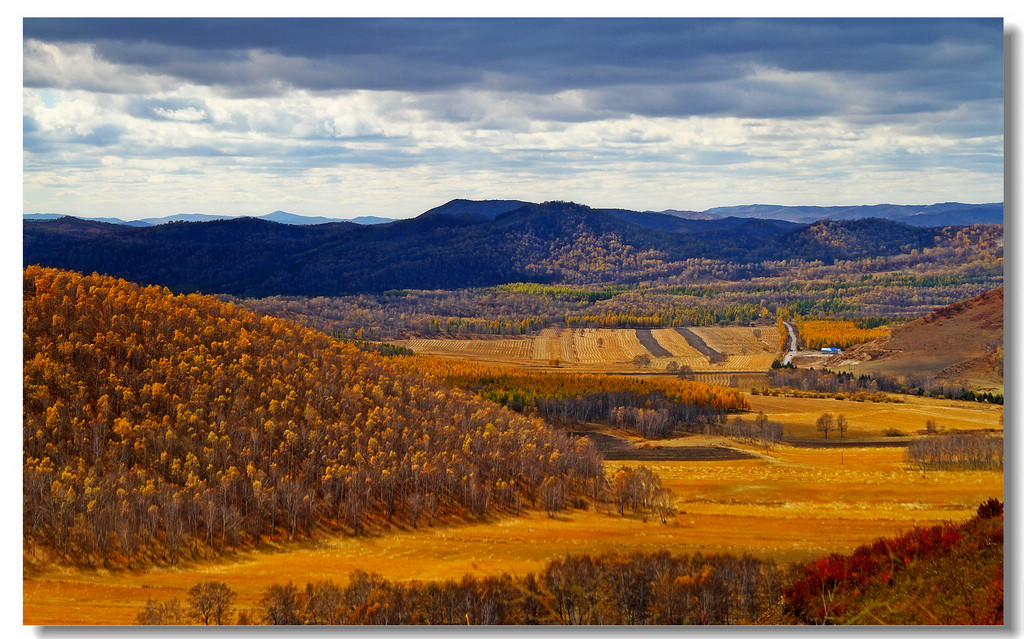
(944, 214)
(932, 215)
(462, 244)
(277, 216)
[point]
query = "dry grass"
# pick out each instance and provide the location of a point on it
(790, 504)
(869, 419)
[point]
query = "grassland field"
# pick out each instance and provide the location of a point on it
(789, 503)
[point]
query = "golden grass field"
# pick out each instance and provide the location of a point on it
(611, 350)
(871, 419)
(791, 504)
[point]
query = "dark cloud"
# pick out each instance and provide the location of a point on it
(954, 59)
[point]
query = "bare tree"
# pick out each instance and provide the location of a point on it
(161, 613)
(841, 424)
(760, 422)
(126, 526)
(552, 493)
(323, 603)
(282, 605)
(825, 424)
(664, 504)
(210, 602)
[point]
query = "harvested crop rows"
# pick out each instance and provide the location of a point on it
(744, 348)
(489, 349)
(682, 353)
(646, 338)
(547, 346)
(731, 349)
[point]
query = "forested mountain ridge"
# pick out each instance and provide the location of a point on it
(943, 214)
(554, 242)
(157, 427)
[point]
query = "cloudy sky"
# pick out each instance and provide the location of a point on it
(347, 117)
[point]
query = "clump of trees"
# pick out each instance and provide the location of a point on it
(760, 431)
(160, 427)
(636, 588)
(209, 603)
(639, 491)
(957, 451)
(827, 423)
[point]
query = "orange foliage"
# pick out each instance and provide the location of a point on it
(602, 393)
(162, 426)
(820, 333)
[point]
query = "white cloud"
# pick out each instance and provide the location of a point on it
(189, 114)
(398, 153)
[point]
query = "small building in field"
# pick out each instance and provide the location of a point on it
(831, 350)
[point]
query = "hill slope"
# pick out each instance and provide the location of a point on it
(158, 426)
(944, 575)
(960, 342)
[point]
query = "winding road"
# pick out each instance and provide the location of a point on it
(792, 344)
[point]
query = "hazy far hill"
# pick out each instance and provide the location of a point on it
(280, 217)
(553, 242)
(945, 214)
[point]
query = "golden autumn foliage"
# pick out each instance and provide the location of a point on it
(158, 426)
(576, 397)
(821, 333)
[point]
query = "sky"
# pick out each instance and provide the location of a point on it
(137, 118)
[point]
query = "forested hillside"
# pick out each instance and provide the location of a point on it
(554, 242)
(158, 427)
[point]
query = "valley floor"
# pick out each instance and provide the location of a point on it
(790, 503)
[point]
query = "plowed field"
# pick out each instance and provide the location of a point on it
(733, 349)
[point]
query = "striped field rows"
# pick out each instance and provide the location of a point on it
(718, 348)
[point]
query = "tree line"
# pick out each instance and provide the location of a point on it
(957, 451)
(827, 381)
(634, 589)
(817, 333)
(653, 408)
(760, 431)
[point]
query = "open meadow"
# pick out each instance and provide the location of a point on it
(788, 503)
